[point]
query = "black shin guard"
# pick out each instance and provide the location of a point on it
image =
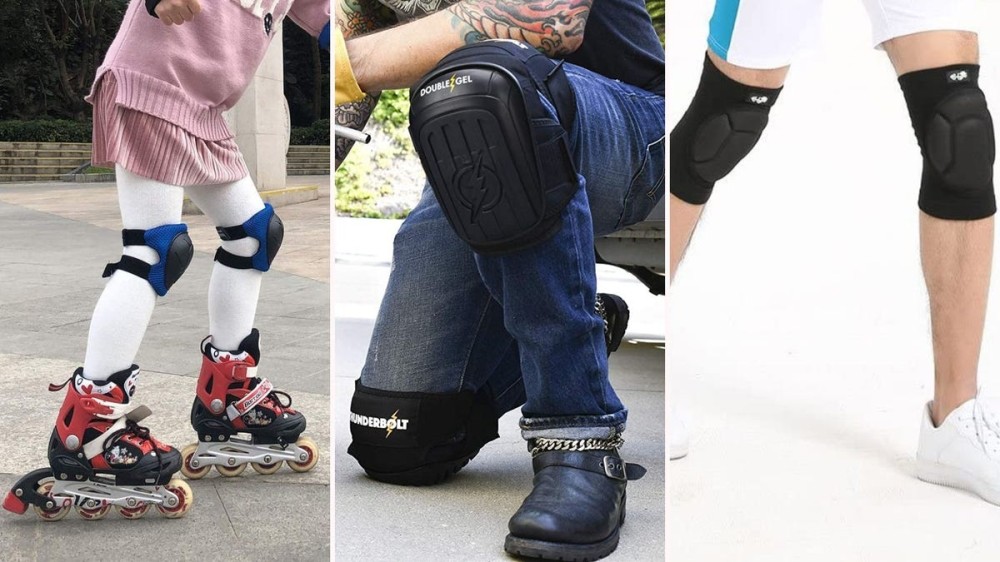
(722, 125)
(417, 439)
(955, 132)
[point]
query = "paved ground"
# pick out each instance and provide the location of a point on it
(466, 519)
(54, 242)
(799, 331)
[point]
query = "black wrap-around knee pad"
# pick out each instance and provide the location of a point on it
(415, 438)
(955, 132)
(721, 126)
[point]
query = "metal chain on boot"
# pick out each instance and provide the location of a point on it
(602, 312)
(542, 444)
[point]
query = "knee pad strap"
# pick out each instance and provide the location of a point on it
(722, 125)
(174, 247)
(418, 438)
(266, 228)
(954, 129)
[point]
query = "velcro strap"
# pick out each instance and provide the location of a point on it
(245, 404)
(128, 264)
(95, 447)
(230, 259)
(611, 466)
(243, 371)
(133, 237)
(231, 232)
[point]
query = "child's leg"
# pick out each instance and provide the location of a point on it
(125, 306)
(232, 293)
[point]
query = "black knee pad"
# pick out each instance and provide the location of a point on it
(955, 132)
(500, 165)
(721, 126)
(173, 246)
(266, 228)
(418, 439)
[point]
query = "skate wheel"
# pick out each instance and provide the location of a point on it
(313, 456)
(94, 513)
(57, 512)
(183, 492)
(231, 471)
(265, 469)
(133, 512)
(190, 472)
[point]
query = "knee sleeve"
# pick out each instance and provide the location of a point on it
(173, 246)
(722, 125)
(955, 133)
(266, 228)
(417, 438)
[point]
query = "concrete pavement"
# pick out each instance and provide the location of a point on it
(54, 242)
(466, 518)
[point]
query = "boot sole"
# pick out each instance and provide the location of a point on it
(561, 551)
(942, 475)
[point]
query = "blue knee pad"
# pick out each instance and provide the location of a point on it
(172, 245)
(266, 228)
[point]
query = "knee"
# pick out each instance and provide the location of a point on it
(415, 438)
(159, 255)
(253, 244)
(955, 132)
(724, 122)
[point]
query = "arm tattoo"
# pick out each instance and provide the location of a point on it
(355, 17)
(554, 27)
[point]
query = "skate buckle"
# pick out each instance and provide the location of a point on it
(245, 404)
(614, 468)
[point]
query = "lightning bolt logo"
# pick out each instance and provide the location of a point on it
(478, 184)
(451, 83)
(391, 425)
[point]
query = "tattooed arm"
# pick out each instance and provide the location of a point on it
(398, 57)
(355, 17)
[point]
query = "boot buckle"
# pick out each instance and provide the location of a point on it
(614, 468)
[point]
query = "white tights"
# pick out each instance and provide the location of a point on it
(126, 305)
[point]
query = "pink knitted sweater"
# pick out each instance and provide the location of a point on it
(189, 74)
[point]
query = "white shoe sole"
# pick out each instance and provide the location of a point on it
(943, 475)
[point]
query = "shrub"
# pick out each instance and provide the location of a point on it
(45, 130)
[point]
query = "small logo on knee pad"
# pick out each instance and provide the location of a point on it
(478, 187)
(759, 100)
(960, 76)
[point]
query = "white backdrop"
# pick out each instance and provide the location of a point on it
(800, 347)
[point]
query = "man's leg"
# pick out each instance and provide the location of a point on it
(956, 254)
(719, 129)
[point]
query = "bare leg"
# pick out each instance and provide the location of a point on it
(956, 255)
(684, 216)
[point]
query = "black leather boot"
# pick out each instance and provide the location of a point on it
(577, 506)
(614, 311)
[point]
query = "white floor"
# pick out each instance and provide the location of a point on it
(799, 345)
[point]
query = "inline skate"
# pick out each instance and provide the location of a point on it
(231, 400)
(99, 457)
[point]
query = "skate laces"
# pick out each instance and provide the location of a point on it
(542, 444)
(602, 311)
(987, 427)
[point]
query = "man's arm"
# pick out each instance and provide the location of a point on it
(397, 58)
(355, 17)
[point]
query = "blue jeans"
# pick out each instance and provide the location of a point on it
(523, 326)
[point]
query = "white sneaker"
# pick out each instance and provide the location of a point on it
(964, 451)
(679, 437)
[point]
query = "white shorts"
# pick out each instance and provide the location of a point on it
(769, 33)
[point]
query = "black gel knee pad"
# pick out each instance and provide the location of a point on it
(955, 132)
(418, 439)
(721, 126)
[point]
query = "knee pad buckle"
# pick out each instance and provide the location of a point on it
(174, 247)
(266, 228)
